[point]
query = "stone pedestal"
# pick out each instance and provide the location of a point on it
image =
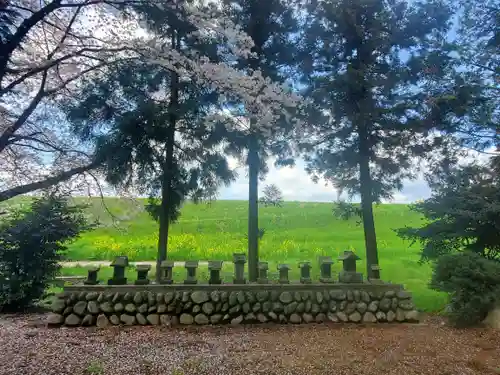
(214, 268)
(325, 266)
(263, 267)
(375, 274)
(349, 274)
(119, 265)
(348, 277)
(166, 269)
(142, 274)
(191, 267)
(283, 270)
(92, 276)
(305, 272)
(239, 260)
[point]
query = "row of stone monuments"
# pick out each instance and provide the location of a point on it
(348, 275)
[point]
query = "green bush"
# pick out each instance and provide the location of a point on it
(463, 214)
(473, 283)
(31, 245)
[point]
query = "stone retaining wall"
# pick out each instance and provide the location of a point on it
(231, 304)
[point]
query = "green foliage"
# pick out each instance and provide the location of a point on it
(372, 112)
(462, 231)
(208, 194)
(272, 196)
(475, 91)
(463, 214)
(345, 210)
(181, 186)
(271, 25)
(133, 144)
(383, 80)
(32, 242)
(473, 284)
(479, 34)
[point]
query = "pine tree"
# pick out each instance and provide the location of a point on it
(464, 208)
(381, 75)
(479, 34)
(475, 44)
(155, 134)
(270, 24)
(463, 214)
(478, 47)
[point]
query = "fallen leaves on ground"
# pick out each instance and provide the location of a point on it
(27, 347)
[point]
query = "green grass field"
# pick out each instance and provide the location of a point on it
(293, 233)
(296, 232)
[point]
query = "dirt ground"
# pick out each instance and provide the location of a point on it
(28, 348)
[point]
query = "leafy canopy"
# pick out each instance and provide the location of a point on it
(129, 116)
(463, 214)
(375, 71)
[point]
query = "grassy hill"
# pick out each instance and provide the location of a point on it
(296, 232)
(299, 231)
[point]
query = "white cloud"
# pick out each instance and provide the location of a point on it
(297, 185)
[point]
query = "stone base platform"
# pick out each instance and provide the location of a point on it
(104, 305)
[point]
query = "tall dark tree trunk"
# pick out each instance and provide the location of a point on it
(253, 209)
(255, 31)
(367, 200)
(166, 193)
(166, 187)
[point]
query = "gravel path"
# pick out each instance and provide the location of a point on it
(28, 348)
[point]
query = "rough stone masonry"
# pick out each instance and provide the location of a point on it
(232, 304)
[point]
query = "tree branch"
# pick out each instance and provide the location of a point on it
(46, 183)
(15, 138)
(66, 32)
(68, 81)
(6, 49)
(51, 63)
(5, 137)
(115, 219)
(22, 31)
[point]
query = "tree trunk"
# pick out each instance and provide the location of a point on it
(367, 201)
(166, 191)
(166, 187)
(253, 209)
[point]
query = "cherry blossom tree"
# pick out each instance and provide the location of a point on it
(49, 49)
(46, 50)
